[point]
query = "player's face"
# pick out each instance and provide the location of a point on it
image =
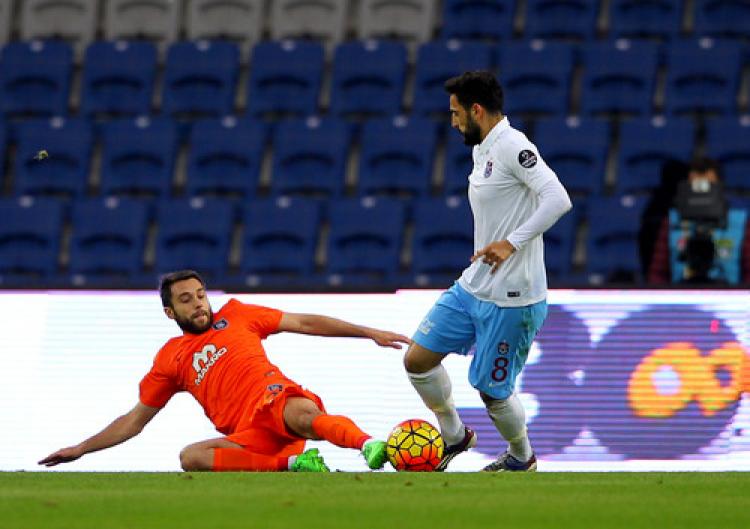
(190, 307)
(463, 122)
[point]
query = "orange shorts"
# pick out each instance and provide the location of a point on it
(262, 429)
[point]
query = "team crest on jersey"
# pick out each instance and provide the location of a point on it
(220, 325)
(527, 159)
(488, 169)
(503, 348)
(426, 326)
(273, 391)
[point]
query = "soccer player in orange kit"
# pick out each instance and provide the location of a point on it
(265, 417)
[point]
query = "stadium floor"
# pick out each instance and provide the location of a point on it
(363, 500)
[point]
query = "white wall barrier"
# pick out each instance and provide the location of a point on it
(617, 380)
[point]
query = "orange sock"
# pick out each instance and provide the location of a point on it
(229, 459)
(340, 431)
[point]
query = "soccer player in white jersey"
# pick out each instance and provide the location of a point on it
(498, 304)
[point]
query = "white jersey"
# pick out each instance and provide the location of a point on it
(514, 195)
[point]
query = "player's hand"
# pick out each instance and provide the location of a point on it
(64, 455)
(388, 339)
(494, 254)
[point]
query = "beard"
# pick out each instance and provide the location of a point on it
(472, 134)
(190, 325)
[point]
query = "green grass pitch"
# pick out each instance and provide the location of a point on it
(377, 500)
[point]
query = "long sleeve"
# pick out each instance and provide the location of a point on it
(554, 202)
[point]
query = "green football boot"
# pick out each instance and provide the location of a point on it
(375, 454)
(309, 461)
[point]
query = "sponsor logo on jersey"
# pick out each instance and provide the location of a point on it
(426, 326)
(220, 325)
(527, 159)
(204, 359)
(503, 348)
(488, 169)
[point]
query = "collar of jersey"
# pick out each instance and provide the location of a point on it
(494, 134)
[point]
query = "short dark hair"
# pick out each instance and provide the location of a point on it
(167, 280)
(480, 87)
(703, 165)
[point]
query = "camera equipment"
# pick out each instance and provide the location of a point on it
(701, 204)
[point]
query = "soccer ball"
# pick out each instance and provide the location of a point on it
(415, 446)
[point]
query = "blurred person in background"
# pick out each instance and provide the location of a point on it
(701, 240)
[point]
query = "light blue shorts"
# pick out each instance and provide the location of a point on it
(498, 337)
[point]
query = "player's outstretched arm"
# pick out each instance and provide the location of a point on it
(325, 326)
(120, 430)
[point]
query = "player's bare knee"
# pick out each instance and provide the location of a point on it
(488, 401)
(419, 360)
(411, 361)
(191, 460)
(306, 418)
(299, 416)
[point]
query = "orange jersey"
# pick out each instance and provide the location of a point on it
(225, 368)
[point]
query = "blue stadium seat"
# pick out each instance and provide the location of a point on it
(703, 76)
(108, 239)
(310, 157)
(576, 150)
(397, 156)
(478, 19)
(138, 156)
(559, 243)
(645, 146)
(557, 19)
(619, 78)
(443, 240)
(728, 142)
(612, 248)
(3, 143)
(35, 78)
(639, 19)
(365, 237)
(200, 78)
(65, 171)
(279, 238)
(285, 78)
(118, 78)
(738, 201)
(536, 77)
(722, 18)
(194, 234)
(29, 239)
(368, 78)
(439, 61)
(458, 165)
(225, 157)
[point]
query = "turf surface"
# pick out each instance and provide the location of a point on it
(382, 500)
